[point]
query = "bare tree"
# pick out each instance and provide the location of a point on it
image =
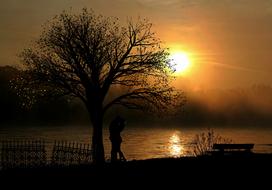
(88, 56)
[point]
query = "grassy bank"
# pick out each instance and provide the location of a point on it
(225, 170)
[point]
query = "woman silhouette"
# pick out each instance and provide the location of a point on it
(116, 127)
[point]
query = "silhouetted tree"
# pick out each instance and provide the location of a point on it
(88, 56)
(8, 99)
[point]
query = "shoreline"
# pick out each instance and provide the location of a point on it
(203, 172)
(151, 166)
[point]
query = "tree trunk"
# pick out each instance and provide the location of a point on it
(97, 141)
(96, 116)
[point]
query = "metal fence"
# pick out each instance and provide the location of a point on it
(33, 154)
(70, 153)
(23, 154)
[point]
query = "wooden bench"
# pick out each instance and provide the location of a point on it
(223, 149)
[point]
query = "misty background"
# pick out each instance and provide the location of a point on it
(238, 106)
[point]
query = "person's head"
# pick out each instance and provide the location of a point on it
(121, 121)
(118, 118)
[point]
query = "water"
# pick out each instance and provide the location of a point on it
(143, 143)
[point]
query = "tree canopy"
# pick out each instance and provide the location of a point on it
(102, 63)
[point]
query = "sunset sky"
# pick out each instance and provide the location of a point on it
(228, 42)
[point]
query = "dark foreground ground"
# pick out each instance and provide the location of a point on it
(220, 172)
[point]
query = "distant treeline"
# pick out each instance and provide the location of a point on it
(53, 112)
(239, 106)
(244, 106)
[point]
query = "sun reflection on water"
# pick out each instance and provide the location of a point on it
(175, 146)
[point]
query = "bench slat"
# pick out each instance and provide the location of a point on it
(233, 146)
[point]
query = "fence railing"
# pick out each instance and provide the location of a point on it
(22, 154)
(32, 153)
(70, 153)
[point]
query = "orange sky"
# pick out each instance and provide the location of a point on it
(230, 41)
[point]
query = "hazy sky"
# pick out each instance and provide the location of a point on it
(230, 41)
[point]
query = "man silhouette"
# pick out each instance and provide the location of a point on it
(115, 128)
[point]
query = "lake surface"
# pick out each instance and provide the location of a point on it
(143, 143)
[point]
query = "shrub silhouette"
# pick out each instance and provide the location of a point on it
(203, 142)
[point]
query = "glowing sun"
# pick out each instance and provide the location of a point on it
(180, 62)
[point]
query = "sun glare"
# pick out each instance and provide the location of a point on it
(175, 146)
(180, 62)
